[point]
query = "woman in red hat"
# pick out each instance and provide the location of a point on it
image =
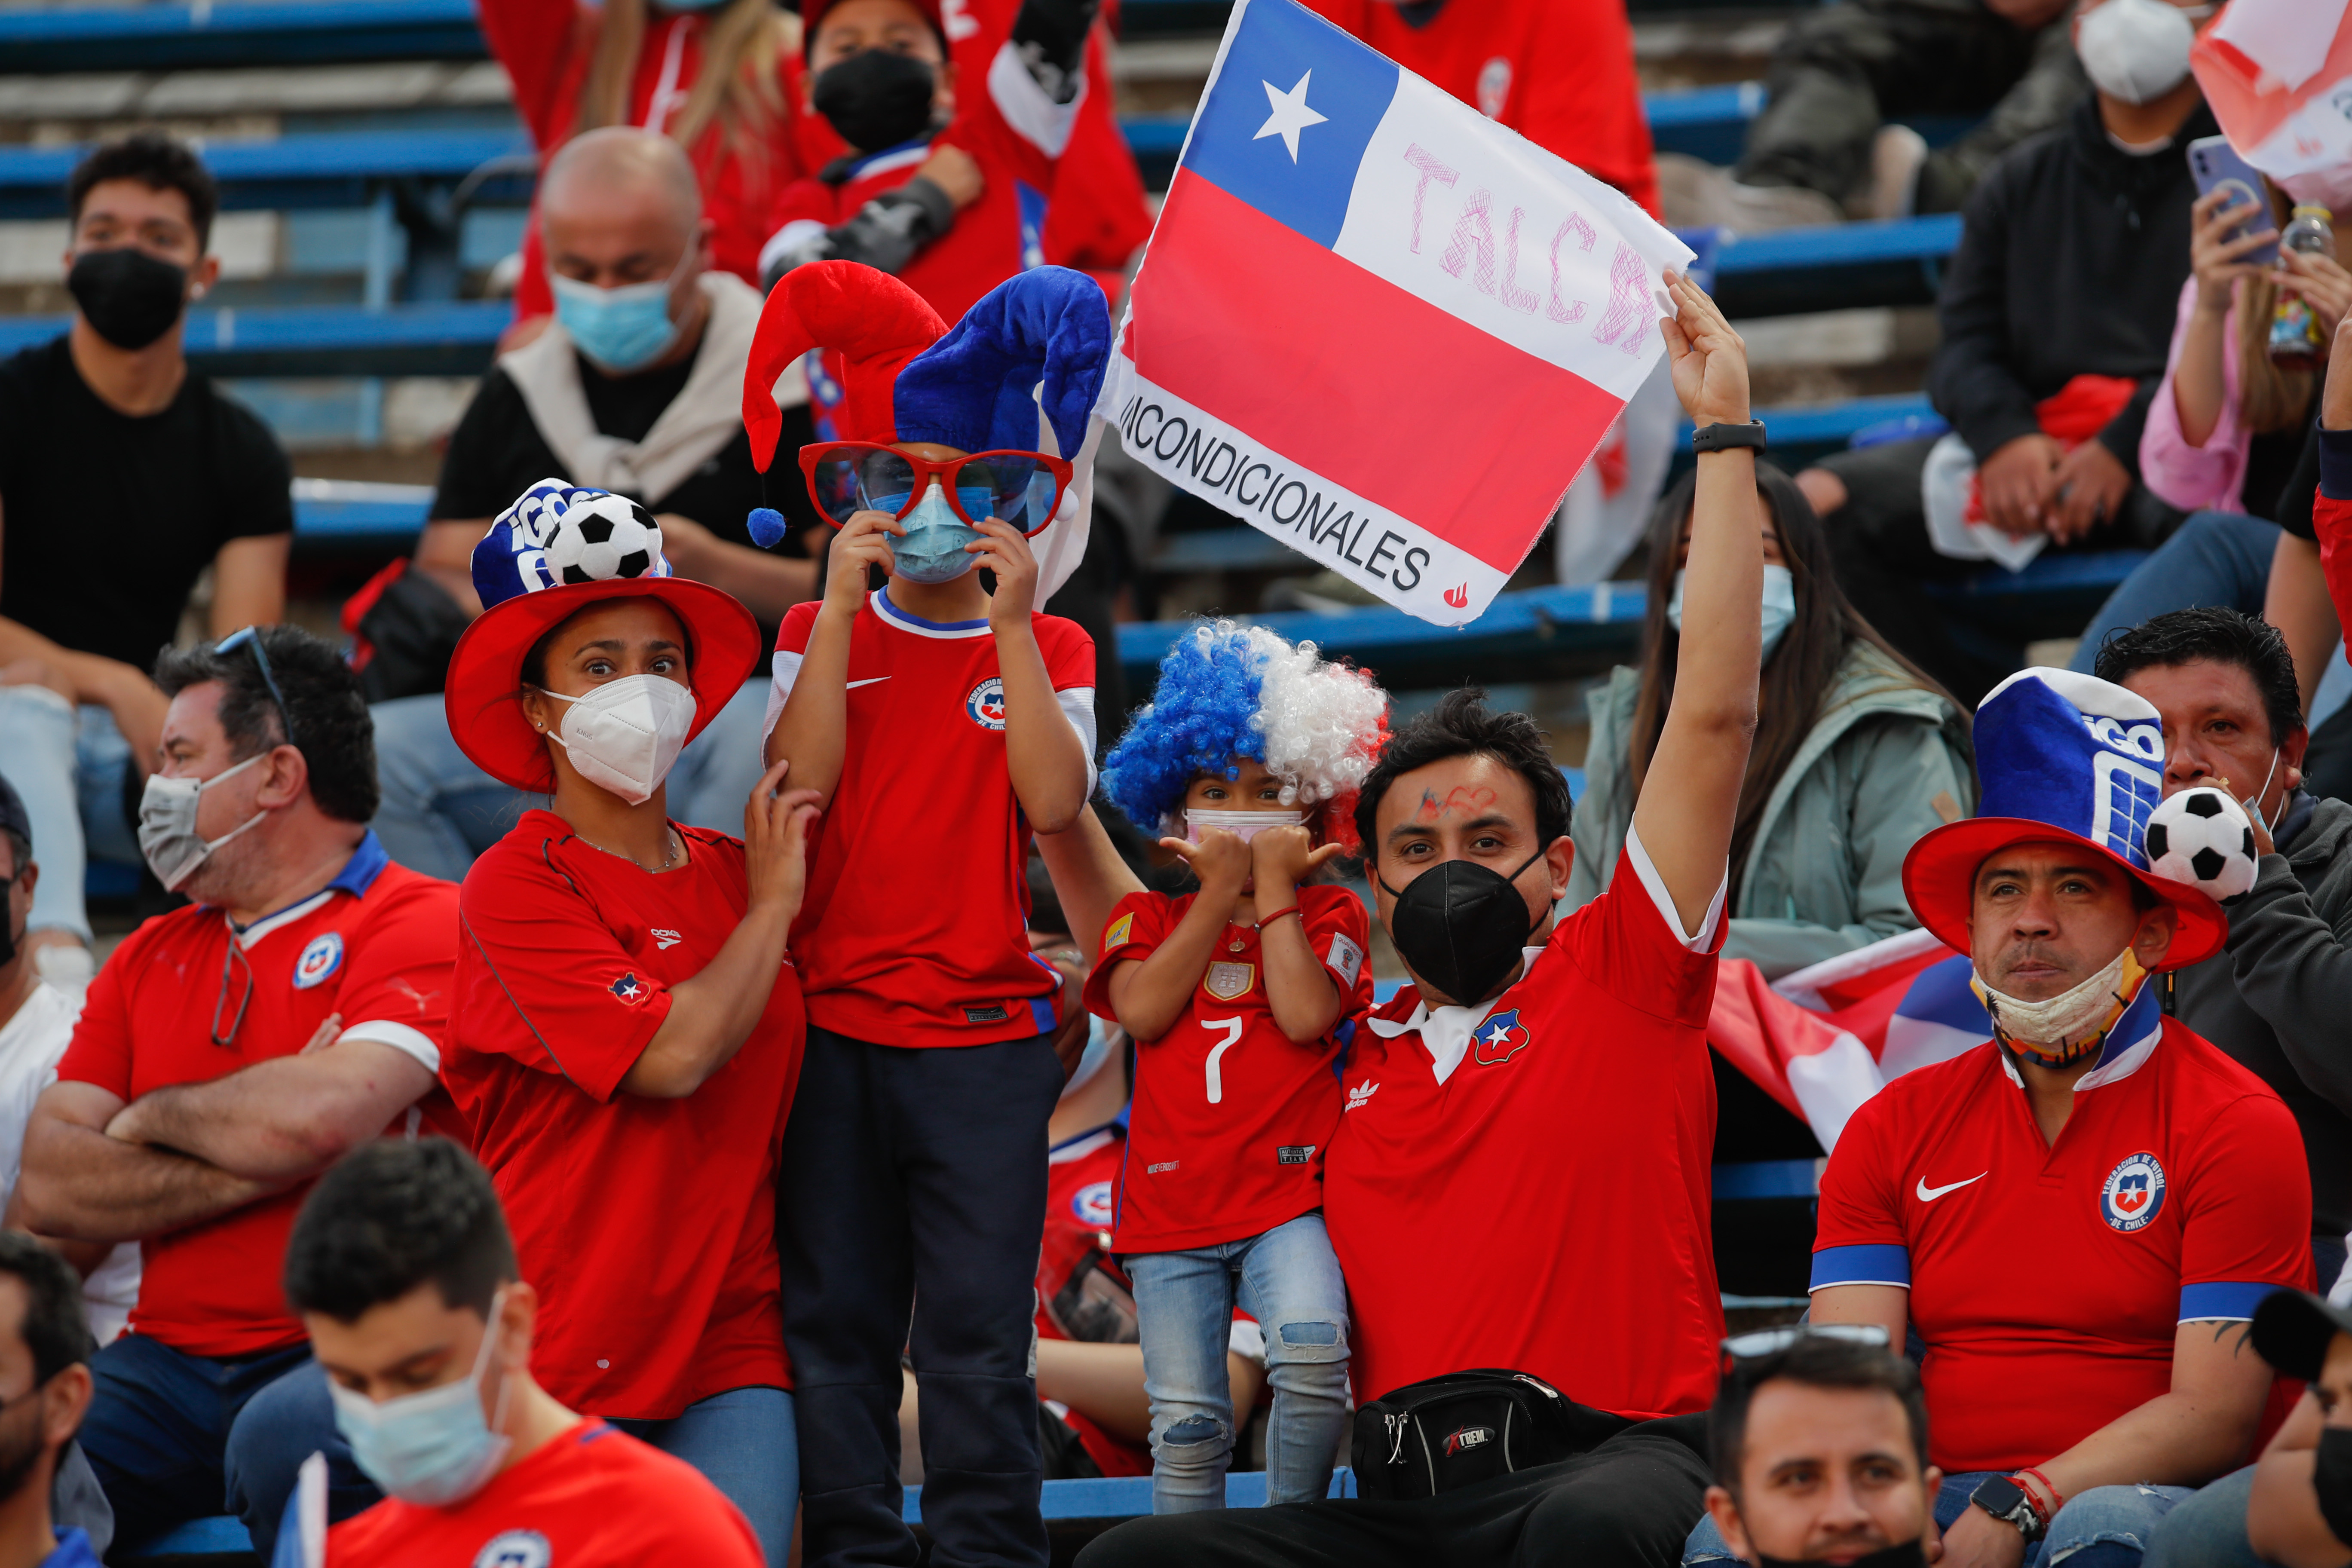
(627, 1031)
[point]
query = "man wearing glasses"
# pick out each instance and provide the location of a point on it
(2079, 1216)
(228, 1052)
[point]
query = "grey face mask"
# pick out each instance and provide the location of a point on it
(167, 823)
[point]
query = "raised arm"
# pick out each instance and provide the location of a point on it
(1692, 789)
(1052, 773)
(79, 1184)
(285, 1118)
(1148, 994)
(1089, 876)
(812, 729)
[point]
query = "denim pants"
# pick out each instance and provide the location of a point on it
(2209, 1531)
(1289, 1279)
(68, 766)
(745, 1443)
(439, 810)
(2107, 1527)
(175, 1436)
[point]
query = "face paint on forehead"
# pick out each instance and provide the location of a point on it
(1466, 800)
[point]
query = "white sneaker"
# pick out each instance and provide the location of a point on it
(67, 965)
(1698, 195)
(1896, 159)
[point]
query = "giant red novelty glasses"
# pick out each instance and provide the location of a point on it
(1020, 488)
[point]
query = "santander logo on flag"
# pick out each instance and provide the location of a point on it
(1374, 323)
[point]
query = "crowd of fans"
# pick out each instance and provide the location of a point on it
(632, 1056)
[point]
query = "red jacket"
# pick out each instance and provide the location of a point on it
(546, 46)
(1558, 72)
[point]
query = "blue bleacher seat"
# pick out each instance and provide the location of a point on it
(341, 169)
(238, 33)
(444, 338)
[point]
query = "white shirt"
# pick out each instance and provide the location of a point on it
(31, 1045)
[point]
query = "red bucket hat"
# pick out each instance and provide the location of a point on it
(556, 549)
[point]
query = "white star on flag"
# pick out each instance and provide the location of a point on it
(1290, 114)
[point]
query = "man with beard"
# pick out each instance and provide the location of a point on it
(45, 1387)
(228, 1052)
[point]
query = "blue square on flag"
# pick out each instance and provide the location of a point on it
(1375, 324)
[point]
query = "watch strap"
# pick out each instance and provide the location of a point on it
(1719, 438)
(2009, 1502)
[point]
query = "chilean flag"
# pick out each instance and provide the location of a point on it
(1823, 1040)
(1377, 325)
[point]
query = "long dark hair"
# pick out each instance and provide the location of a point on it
(1800, 669)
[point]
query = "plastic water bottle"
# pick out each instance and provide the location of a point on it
(2295, 340)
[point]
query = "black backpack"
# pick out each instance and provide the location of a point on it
(1464, 1427)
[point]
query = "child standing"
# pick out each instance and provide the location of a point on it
(939, 723)
(1238, 997)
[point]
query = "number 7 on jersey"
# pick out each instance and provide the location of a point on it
(1232, 1027)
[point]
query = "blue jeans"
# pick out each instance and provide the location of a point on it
(175, 1436)
(2209, 1531)
(745, 1443)
(2107, 1527)
(1289, 1279)
(2214, 558)
(439, 810)
(68, 766)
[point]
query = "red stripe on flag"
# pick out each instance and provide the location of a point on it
(1371, 387)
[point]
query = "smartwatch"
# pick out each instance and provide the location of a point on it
(2007, 1502)
(1721, 438)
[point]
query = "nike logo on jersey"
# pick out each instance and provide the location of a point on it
(664, 940)
(1929, 1195)
(869, 681)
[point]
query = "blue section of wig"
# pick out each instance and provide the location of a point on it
(1202, 714)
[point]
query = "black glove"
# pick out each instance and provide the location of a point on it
(885, 235)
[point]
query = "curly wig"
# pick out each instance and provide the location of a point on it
(1228, 690)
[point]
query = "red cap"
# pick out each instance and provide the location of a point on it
(875, 323)
(812, 12)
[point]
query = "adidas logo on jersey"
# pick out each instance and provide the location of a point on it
(1361, 1093)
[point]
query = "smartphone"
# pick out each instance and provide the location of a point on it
(2216, 166)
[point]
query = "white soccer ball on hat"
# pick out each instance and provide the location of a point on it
(602, 538)
(2204, 838)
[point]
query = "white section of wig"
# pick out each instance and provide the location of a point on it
(1321, 721)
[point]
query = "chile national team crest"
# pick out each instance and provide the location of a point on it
(2134, 1193)
(1498, 1039)
(318, 961)
(1091, 1204)
(629, 988)
(986, 704)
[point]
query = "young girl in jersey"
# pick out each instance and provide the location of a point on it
(1238, 997)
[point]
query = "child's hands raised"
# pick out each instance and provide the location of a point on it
(1007, 553)
(864, 541)
(1222, 861)
(1282, 857)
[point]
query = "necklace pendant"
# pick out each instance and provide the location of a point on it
(1236, 945)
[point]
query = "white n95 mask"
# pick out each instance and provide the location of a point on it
(626, 735)
(2136, 50)
(167, 823)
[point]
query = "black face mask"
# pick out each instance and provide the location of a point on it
(8, 928)
(2331, 1477)
(128, 297)
(1903, 1554)
(1461, 925)
(875, 98)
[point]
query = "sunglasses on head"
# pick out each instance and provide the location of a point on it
(1019, 488)
(1772, 1342)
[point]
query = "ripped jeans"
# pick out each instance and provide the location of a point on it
(2105, 1527)
(1289, 1279)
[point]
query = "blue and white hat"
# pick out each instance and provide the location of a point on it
(2063, 757)
(558, 549)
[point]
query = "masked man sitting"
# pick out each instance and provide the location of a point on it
(2089, 1206)
(636, 389)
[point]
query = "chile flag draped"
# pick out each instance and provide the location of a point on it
(1375, 324)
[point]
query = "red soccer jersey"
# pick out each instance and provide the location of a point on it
(2176, 1191)
(593, 1498)
(647, 1225)
(1558, 72)
(1539, 1201)
(374, 945)
(1231, 1117)
(915, 931)
(1015, 135)
(1082, 1292)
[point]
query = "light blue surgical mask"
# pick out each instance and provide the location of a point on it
(433, 1448)
(692, 5)
(1780, 604)
(932, 550)
(622, 329)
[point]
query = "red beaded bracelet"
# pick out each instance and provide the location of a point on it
(2057, 1498)
(1266, 921)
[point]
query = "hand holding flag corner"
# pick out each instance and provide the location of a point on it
(1377, 325)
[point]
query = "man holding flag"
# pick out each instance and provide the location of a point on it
(1518, 1180)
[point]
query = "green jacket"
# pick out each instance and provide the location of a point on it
(1825, 873)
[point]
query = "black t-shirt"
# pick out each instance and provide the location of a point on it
(110, 517)
(2292, 510)
(497, 453)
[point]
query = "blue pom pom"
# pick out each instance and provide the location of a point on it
(767, 526)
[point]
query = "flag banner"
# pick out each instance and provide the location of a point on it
(1825, 1038)
(2278, 75)
(1377, 325)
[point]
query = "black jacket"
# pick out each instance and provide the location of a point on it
(2277, 1001)
(2071, 260)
